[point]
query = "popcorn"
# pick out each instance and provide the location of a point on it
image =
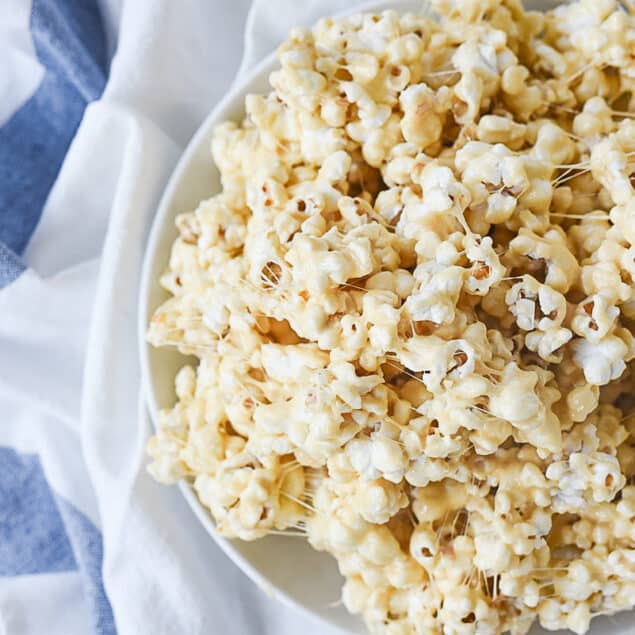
(525, 401)
(497, 129)
(411, 306)
(487, 269)
(594, 318)
(602, 362)
(420, 125)
(585, 477)
(378, 502)
(551, 249)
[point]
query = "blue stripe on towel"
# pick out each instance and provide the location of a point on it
(11, 265)
(41, 532)
(88, 549)
(32, 534)
(70, 43)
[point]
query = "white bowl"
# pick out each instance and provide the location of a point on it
(272, 562)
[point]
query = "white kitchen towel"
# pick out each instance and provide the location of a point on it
(97, 101)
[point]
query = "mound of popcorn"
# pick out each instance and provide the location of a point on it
(412, 306)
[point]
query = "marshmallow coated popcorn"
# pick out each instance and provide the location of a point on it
(411, 308)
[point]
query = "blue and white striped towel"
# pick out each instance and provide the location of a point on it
(97, 100)
(89, 544)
